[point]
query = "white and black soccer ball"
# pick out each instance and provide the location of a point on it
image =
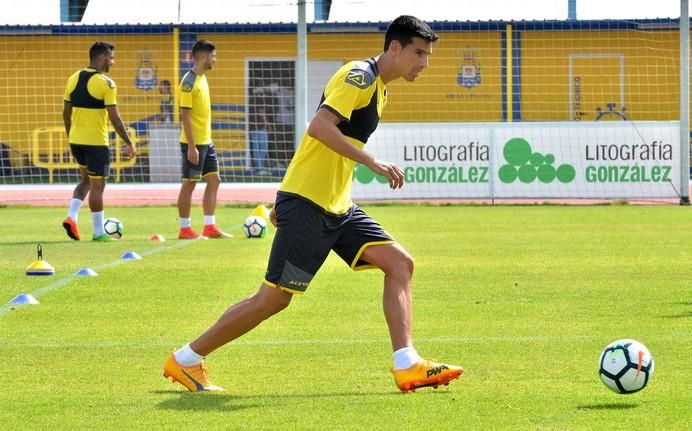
(113, 227)
(626, 366)
(255, 227)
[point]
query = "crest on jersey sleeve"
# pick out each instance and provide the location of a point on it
(188, 82)
(110, 82)
(359, 78)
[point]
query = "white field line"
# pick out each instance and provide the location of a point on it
(345, 342)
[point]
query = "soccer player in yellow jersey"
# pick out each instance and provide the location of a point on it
(314, 214)
(89, 103)
(197, 148)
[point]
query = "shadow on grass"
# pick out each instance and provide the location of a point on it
(683, 315)
(225, 402)
(201, 401)
(38, 241)
(608, 406)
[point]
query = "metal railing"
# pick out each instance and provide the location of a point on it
(50, 150)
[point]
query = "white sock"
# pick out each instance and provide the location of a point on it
(187, 357)
(209, 219)
(75, 205)
(185, 222)
(97, 218)
(405, 358)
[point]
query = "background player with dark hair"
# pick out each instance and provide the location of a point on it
(197, 149)
(89, 102)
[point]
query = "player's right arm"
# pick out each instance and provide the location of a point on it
(186, 119)
(67, 116)
(67, 103)
(323, 127)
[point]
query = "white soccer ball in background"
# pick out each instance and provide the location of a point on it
(113, 227)
(255, 227)
(626, 366)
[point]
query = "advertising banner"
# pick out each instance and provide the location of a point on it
(525, 160)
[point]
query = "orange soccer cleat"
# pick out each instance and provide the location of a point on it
(188, 233)
(71, 228)
(212, 231)
(194, 378)
(426, 373)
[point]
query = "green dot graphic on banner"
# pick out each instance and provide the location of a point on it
(527, 165)
(517, 151)
(364, 175)
(508, 174)
(566, 173)
(536, 159)
(527, 174)
(546, 174)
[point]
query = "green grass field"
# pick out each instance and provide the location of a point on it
(525, 298)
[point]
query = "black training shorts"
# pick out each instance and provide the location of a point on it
(208, 162)
(96, 158)
(306, 233)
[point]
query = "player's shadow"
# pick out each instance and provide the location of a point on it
(684, 314)
(226, 402)
(201, 401)
(608, 406)
(53, 241)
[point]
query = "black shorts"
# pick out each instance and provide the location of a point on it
(208, 162)
(96, 158)
(306, 233)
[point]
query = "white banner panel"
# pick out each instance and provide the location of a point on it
(525, 160)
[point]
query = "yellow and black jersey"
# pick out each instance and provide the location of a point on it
(89, 92)
(357, 95)
(194, 95)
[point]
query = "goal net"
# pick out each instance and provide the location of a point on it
(554, 109)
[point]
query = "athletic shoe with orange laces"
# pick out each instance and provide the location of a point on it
(212, 231)
(188, 233)
(426, 373)
(71, 228)
(194, 378)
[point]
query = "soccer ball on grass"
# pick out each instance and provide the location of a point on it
(113, 227)
(255, 227)
(626, 366)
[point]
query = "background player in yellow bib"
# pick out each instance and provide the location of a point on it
(314, 214)
(196, 146)
(89, 103)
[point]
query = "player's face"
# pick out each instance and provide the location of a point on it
(413, 58)
(211, 59)
(108, 61)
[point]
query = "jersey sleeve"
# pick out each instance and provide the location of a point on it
(69, 88)
(347, 91)
(187, 85)
(109, 92)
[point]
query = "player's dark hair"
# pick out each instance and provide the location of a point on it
(100, 48)
(405, 28)
(202, 46)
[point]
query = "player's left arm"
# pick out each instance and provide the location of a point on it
(323, 127)
(109, 101)
(120, 129)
